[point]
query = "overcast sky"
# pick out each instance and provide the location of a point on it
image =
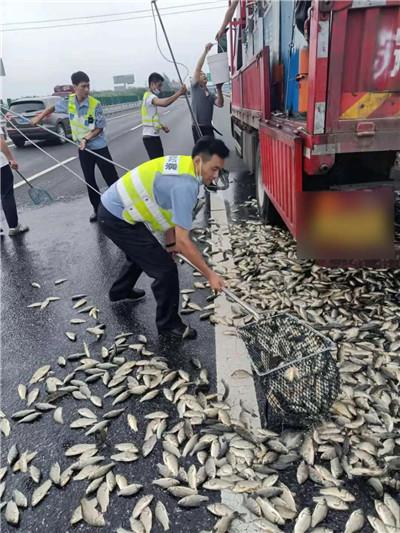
(37, 60)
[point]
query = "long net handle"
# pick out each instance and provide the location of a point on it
(53, 158)
(226, 291)
(196, 124)
(69, 141)
(23, 177)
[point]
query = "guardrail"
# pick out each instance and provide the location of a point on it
(115, 108)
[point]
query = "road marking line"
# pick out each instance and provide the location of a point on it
(231, 355)
(39, 174)
(136, 127)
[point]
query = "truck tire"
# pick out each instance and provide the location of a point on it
(19, 143)
(266, 208)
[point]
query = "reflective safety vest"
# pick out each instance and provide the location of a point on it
(148, 119)
(81, 125)
(136, 190)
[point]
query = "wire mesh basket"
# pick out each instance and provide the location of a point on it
(296, 364)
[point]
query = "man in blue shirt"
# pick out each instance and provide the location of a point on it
(87, 125)
(160, 195)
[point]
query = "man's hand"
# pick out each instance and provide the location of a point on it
(216, 282)
(13, 164)
(166, 129)
(220, 34)
(208, 47)
(82, 144)
(35, 120)
(182, 89)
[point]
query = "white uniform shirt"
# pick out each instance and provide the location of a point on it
(3, 159)
(151, 131)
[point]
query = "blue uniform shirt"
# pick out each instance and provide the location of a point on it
(178, 193)
(99, 120)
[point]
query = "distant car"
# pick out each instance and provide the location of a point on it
(29, 107)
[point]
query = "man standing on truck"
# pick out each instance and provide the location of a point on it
(87, 127)
(202, 100)
(151, 119)
(221, 34)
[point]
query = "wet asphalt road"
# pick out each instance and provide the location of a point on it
(63, 244)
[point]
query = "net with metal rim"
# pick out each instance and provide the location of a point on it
(297, 365)
(40, 196)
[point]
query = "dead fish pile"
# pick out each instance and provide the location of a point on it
(204, 448)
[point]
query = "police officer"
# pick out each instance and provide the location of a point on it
(87, 126)
(151, 122)
(160, 195)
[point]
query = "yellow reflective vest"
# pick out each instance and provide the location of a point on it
(136, 190)
(81, 125)
(148, 119)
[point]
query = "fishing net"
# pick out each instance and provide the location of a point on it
(296, 364)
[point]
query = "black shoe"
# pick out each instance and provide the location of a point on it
(134, 296)
(93, 217)
(182, 333)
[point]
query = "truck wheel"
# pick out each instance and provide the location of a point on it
(60, 130)
(266, 208)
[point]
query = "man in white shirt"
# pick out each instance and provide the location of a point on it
(7, 162)
(152, 125)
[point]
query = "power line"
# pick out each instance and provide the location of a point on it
(108, 14)
(112, 20)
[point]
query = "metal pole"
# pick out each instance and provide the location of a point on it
(177, 69)
(69, 141)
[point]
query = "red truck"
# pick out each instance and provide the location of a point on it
(315, 98)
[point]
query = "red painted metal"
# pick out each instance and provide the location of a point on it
(281, 161)
(250, 86)
(354, 53)
(365, 44)
(318, 68)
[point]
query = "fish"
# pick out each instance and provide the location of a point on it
(20, 499)
(76, 321)
(194, 500)
(319, 514)
(355, 521)
(55, 473)
(22, 390)
(162, 515)
(90, 514)
(12, 513)
(132, 422)
(41, 492)
(130, 490)
(79, 303)
(141, 504)
(220, 509)
(148, 445)
(303, 521)
(39, 374)
(5, 427)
